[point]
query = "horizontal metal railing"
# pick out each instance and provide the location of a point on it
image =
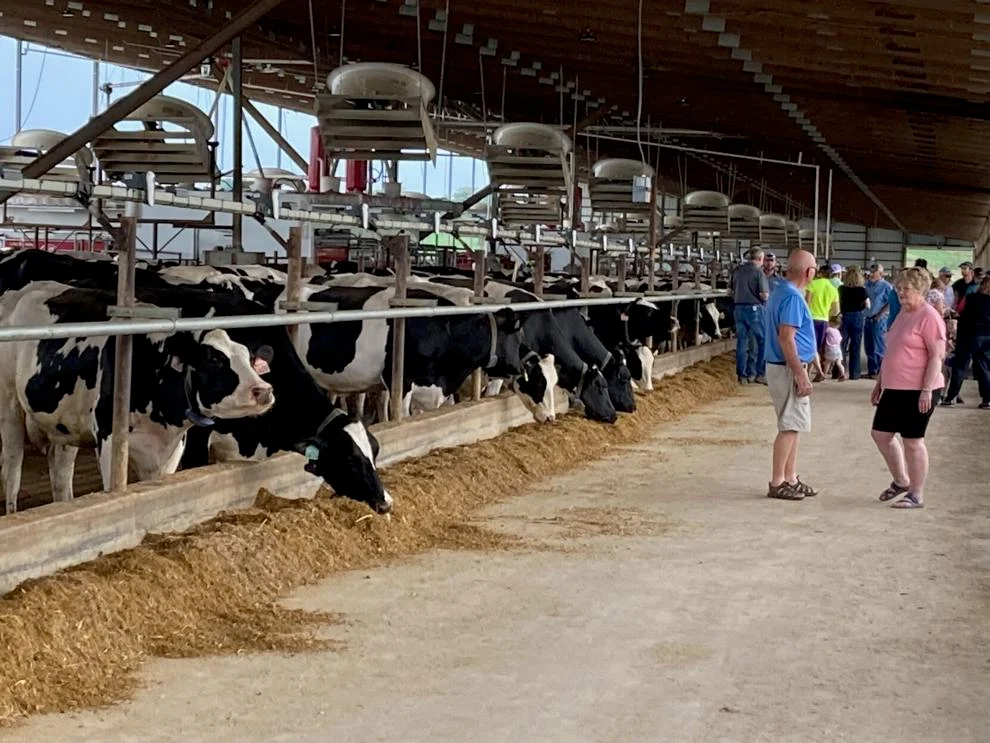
(167, 325)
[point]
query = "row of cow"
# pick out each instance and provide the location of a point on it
(246, 394)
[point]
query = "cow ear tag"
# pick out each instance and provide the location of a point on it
(312, 453)
(260, 365)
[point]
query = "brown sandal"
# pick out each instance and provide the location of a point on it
(784, 491)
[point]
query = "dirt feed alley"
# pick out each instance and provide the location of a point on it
(661, 597)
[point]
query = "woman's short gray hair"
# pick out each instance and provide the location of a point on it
(914, 278)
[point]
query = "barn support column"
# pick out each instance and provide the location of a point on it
(146, 91)
(651, 270)
(293, 281)
(400, 262)
(538, 264)
(123, 353)
(479, 296)
(237, 87)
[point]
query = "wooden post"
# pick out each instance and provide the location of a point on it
(585, 285)
(541, 253)
(651, 269)
(293, 282)
(675, 270)
(621, 270)
(400, 260)
(123, 353)
(696, 265)
(479, 293)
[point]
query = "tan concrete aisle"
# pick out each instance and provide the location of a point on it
(678, 604)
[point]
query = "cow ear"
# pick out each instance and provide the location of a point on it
(176, 363)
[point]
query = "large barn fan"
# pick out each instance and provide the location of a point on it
(744, 222)
(166, 135)
(706, 211)
(377, 111)
(28, 144)
(530, 168)
(613, 189)
(773, 229)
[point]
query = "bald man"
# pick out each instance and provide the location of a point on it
(790, 338)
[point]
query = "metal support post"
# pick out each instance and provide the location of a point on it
(124, 352)
(293, 281)
(18, 86)
(651, 270)
(146, 91)
(828, 219)
(479, 293)
(275, 134)
(818, 176)
(538, 271)
(400, 261)
(236, 84)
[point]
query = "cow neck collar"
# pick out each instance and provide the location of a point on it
(193, 412)
(334, 415)
(493, 352)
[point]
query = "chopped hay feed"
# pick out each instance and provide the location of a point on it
(76, 639)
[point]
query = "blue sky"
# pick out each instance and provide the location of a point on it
(57, 94)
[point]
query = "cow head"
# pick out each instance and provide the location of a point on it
(221, 377)
(343, 452)
(639, 359)
(709, 319)
(507, 344)
(619, 381)
(535, 386)
(593, 394)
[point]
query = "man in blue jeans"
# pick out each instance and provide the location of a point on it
(749, 292)
(878, 289)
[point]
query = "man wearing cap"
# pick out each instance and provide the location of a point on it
(772, 271)
(948, 295)
(878, 291)
(749, 292)
(837, 275)
(967, 284)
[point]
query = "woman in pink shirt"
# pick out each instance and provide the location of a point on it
(907, 389)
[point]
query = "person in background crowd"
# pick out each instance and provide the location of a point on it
(772, 271)
(833, 349)
(790, 348)
(823, 301)
(921, 263)
(853, 303)
(907, 389)
(836, 275)
(878, 291)
(967, 284)
(945, 279)
(972, 344)
(936, 298)
(750, 292)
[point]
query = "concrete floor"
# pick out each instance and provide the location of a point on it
(679, 604)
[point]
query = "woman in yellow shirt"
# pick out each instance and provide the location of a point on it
(823, 301)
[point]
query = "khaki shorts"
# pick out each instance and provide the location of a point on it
(793, 412)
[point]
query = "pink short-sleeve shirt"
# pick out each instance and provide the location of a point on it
(910, 340)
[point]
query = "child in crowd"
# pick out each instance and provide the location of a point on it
(833, 348)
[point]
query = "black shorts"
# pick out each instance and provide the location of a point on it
(898, 413)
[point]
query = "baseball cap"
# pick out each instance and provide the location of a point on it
(836, 268)
(769, 256)
(874, 266)
(966, 264)
(946, 270)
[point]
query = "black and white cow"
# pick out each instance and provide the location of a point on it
(577, 353)
(441, 352)
(340, 449)
(60, 392)
(626, 329)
